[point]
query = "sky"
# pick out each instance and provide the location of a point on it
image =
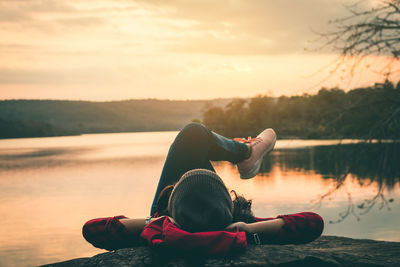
(168, 49)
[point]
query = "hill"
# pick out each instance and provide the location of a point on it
(37, 118)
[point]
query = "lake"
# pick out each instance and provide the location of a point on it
(49, 187)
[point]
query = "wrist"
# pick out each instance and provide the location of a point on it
(147, 220)
(247, 228)
(243, 227)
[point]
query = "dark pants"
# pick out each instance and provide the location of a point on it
(193, 148)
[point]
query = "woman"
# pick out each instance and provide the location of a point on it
(192, 210)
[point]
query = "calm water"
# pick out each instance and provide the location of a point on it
(49, 187)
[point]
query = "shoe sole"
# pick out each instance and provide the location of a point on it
(254, 171)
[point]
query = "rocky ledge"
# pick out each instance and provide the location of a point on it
(325, 251)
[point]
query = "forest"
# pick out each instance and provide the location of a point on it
(362, 113)
(40, 118)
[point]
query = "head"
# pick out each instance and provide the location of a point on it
(201, 202)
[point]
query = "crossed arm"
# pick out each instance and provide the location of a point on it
(117, 232)
(266, 228)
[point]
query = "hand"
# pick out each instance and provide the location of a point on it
(172, 220)
(241, 226)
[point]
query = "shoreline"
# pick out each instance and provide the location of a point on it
(157, 131)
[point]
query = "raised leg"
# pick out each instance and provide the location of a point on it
(193, 148)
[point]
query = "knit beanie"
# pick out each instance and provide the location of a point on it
(200, 202)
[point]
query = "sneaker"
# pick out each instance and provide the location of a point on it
(260, 146)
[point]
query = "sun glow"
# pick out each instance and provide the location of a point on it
(111, 50)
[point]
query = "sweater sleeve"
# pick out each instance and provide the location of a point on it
(299, 228)
(108, 233)
(162, 234)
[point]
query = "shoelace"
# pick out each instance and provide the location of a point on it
(248, 140)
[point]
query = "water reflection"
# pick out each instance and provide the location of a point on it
(373, 162)
(368, 163)
(50, 186)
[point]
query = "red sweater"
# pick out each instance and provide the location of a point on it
(109, 233)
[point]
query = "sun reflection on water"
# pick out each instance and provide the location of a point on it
(49, 187)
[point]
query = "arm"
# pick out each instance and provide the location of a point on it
(112, 233)
(163, 233)
(135, 226)
(265, 229)
(296, 228)
(269, 228)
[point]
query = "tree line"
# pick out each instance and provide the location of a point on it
(39, 118)
(362, 113)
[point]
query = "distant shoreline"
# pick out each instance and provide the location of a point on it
(45, 118)
(362, 113)
(177, 130)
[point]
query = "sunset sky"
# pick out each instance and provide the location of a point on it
(175, 49)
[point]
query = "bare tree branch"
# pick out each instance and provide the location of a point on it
(373, 32)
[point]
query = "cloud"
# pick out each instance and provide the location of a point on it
(235, 27)
(65, 76)
(23, 10)
(45, 16)
(247, 27)
(12, 15)
(30, 76)
(101, 74)
(238, 46)
(157, 44)
(89, 21)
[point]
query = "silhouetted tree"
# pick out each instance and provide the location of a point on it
(213, 118)
(363, 113)
(374, 31)
(370, 32)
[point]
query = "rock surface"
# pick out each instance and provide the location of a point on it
(325, 251)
